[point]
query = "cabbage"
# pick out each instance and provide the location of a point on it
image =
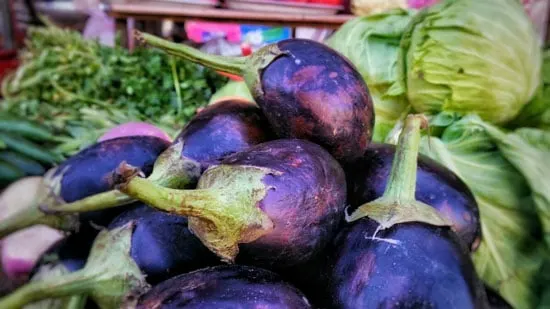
(512, 253)
(371, 43)
(470, 56)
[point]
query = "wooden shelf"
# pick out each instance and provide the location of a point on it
(156, 10)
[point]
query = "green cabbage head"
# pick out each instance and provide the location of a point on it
(470, 56)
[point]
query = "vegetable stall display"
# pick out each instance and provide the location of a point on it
(403, 163)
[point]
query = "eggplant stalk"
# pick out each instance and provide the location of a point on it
(109, 277)
(222, 211)
(398, 203)
(171, 170)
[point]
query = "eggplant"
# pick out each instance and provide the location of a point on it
(436, 185)
(279, 202)
(84, 174)
(306, 90)
(162, 245)
(140, 247)
(227, 127)
(397, 252)
(227, 287)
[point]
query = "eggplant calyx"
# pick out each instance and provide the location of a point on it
(222, 212)
(398, 203)
(52, 270)
(255, 65)
(173, 170)
(108, 277)
(170, 170)
(116, 275)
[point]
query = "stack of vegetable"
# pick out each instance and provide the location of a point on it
(477, 70)
(418, 183)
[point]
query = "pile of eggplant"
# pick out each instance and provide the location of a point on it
(281, 203)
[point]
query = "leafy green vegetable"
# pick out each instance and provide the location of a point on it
(371, 43)
(537, 112)
(232, 89)
(470, 56)
(511, 254)
(80, 88)
(528, 149)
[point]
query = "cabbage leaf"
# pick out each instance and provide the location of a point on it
(528, 149)
(371, 43)
(537, 112)
(511, 253)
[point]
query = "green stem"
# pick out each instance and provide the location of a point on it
(77, 302)
(109, 277)
(402, 182)
(54, 287)
(19, 220)
(184, 202)
(233, 65)
(171, 170)
(398, 203)
(176, 84)
(32, 216)
(100, 201)
(223, 211)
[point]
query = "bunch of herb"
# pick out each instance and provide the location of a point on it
(79, 88)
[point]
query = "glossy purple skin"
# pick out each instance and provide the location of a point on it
(162, 245)
(225, 287)
(306, 202)
(89, 171)
(423, 267)
(222, 129)
(436, 186)
(315, 93)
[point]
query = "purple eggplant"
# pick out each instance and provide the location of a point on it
(397, 252)
(279, 202)
(221, 129)
(84, 174)
(436, 186)
(227, 287)
(162, 245)
(305, 89)
(142, 246)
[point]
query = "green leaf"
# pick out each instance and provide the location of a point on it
(528, 149)
(511, 254)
